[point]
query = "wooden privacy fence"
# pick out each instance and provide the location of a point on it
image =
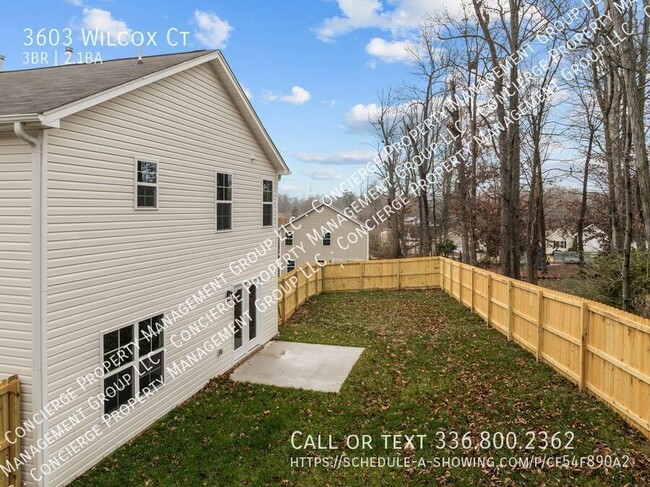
(602, 349)
(9, 421)
(300, 284)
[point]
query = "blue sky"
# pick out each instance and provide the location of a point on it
(313, 68)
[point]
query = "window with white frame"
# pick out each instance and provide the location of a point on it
(224, 201)
(327, 239)
(146, 184)
(563, 244)
(291, 265)
(267, 203)
(288, 238)
(132, 364)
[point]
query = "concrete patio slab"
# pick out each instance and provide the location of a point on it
(299, 365)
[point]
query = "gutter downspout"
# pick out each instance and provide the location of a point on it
(39, 283)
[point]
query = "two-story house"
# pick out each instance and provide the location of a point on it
(323, 234)
(127, 190)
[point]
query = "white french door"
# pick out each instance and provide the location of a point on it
(247, 319)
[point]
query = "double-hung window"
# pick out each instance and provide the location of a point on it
(291, 265)
(133, 364)
(151, 353)
(224, 201)
(288, 238)
(327, 239)
(267, 203)
(146, 184)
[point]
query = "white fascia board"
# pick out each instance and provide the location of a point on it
(19, 117)
(39, 120)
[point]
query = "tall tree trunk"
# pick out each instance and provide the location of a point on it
(505, 177)
(583, 201)
(627, 245)
(635, 106)
(461, 167)
(514, 152)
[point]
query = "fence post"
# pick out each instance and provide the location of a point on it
(584, 330)
(540, 324)
(443, 280)
(489, 299)
(9, 421)
(363, 274)
(295, 290)
(511, 315)
(321, 272)
(399, 275)
(472, 289)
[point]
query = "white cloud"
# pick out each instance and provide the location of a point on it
(213, 32)
(103, 21)
(391, 51)
(76, 3)
(404, 15)
(356, 14)
(324, 174)
(298, 96)
(337, 158)
(359, 116)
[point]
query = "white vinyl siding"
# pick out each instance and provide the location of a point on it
(110, 265)
(311, 224)
(15, 270)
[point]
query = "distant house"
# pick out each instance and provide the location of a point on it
(561, 244)
(323, 234)
(560, 240)
(128, 190)
(593, 239)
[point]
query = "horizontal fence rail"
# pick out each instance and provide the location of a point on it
(9, 421)
(601, 349)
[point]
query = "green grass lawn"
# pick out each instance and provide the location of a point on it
(430, 366)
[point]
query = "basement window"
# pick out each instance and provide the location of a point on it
(267, 203)
(288, 238)
(132, 365)
(146, 184)
(327, 239)
(224, 201)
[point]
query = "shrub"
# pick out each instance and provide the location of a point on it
(603, 280)
(446, 248)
